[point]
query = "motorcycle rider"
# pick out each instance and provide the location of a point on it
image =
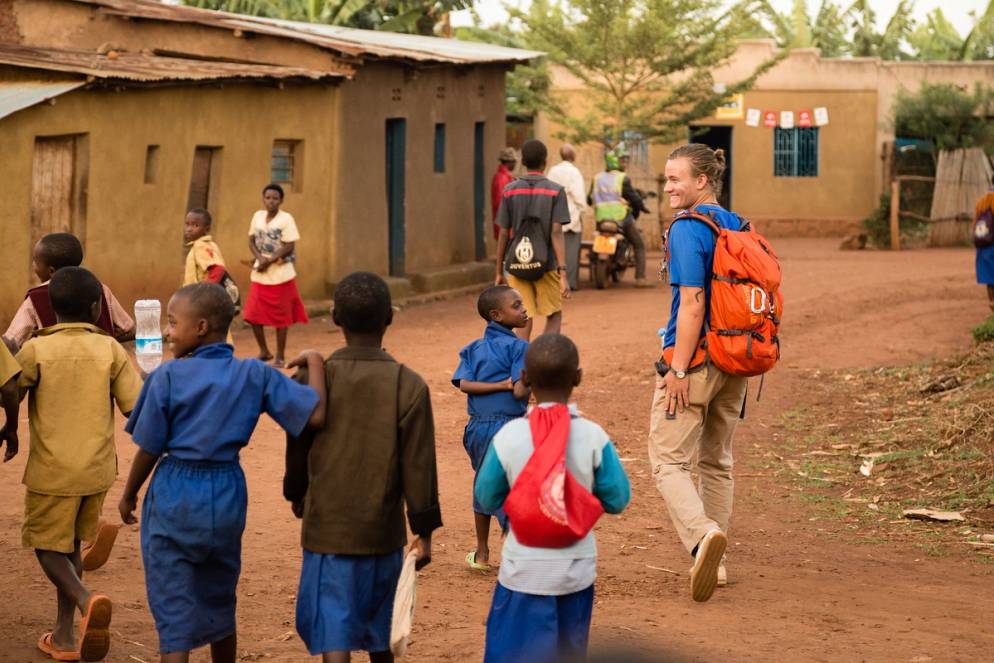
(615, 199)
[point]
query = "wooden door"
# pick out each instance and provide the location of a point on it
(200, 178)
(52, 180)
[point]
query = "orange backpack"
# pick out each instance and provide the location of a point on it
(746, 304)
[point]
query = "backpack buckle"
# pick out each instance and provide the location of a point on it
(759, 307)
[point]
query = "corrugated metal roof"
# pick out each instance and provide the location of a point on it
(15, 96)
(138, 67)
(347, 41)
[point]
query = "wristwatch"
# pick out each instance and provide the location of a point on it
(679, 374)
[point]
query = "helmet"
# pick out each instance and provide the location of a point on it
(611, 161)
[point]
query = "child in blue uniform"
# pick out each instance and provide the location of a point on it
(489, 373)
(544, 598)
(193, 417)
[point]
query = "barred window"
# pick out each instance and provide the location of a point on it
(795, 152)
(285, 164)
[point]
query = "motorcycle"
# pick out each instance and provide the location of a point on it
(611, 254)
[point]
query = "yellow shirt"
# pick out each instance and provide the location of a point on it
(74, 373)
(203, 255)
(9, 368)
(269, 238)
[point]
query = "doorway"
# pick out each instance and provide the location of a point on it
(478, 192)
(203, 176)
(396, 155)
(718, 137)
(59, 186)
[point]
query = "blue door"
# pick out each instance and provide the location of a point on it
(479, 193)
(396, 131)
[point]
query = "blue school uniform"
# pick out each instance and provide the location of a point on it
(499, 355)
(985, 265)
(197, 413)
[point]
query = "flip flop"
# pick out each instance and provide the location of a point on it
(98, 552)
(47, 647)
(94, 630)
(473, 564)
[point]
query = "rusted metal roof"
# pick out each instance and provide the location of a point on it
(15, 96)
(143, 68)
(346, 41)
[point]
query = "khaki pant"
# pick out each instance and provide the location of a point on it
(700, 438)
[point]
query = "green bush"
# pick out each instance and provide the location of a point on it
(949, 116)
(984, 332)
(877, 226)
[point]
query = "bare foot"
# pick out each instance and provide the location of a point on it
(264, 356)
(279, 363)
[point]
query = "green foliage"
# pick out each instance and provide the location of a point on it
(984, 332)
(946, 115)
(413, 16)
(527, 85)
(877, 226)
(937, 38)
(646, 64)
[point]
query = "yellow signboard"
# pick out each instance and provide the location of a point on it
(733, 109)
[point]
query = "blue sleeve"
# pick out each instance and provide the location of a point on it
(466, 369)
(611, 485)
(491, 487)
(149, 423)
(288, 403)
(688, 257)
(518, 351)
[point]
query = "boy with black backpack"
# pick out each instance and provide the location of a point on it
(530, 246)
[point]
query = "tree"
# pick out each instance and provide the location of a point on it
(415, 16)
(889, 44)
(937, 39)
(979, 43)
(827, 32)
(947, 115)
(646, 65)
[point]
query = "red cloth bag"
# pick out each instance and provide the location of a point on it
(547, 506)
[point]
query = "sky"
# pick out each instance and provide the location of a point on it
(957, 11)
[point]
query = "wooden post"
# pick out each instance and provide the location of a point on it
(895, 214)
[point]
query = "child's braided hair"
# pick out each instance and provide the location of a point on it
(703, 161)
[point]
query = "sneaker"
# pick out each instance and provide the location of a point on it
(704, 574)
(644, 283)
(722, 575)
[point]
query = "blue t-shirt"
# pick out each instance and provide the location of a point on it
(204, 407)
(691, 246)
(499, 355)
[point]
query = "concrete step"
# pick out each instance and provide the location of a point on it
(452, 277)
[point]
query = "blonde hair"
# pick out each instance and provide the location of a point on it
(703, 161)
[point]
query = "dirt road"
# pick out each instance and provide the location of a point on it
(800, 588)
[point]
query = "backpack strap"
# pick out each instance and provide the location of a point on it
(697, 216)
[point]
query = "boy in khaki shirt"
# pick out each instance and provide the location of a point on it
(72, 461)
(9, 398)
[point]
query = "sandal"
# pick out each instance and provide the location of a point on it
(47, 647)
(94, 630)
(473, 564)
(98, 552)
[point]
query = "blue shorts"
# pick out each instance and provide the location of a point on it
(476, 438)
(193, 517)
(527, 628)
(345, 602)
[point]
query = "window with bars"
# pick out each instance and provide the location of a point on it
(439, 148)
(285, 164)
(795, 152)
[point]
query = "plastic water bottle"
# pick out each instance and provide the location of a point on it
(148, 334)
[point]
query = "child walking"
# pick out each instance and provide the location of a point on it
(193, 417)
(52, 253)
(544, 597)
(10, 399)
(489, 372)
(204, 262)
(374, 455)
(68, 371)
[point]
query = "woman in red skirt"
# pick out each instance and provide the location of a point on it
(273, 300)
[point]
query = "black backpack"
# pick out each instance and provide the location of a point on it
(531, 246)
(983, 229)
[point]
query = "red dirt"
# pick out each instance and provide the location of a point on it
(800, 588)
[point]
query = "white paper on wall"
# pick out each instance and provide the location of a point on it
(786, 119)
